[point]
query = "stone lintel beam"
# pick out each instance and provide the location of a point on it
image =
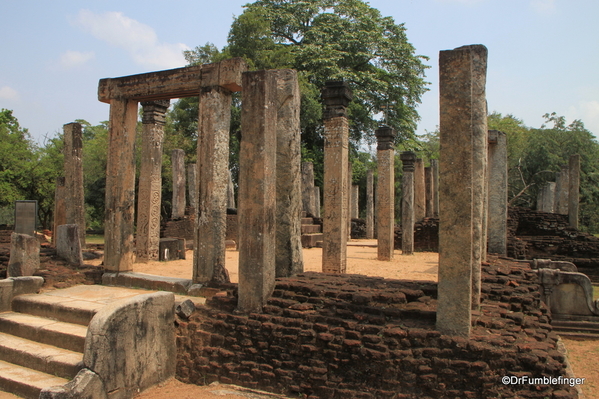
(174, 83)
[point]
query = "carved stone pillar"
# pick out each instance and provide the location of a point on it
(150, 181)
(73, 173)
(337, 96)
(385, 192)
(408, 158)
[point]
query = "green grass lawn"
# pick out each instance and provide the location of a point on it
(94, 239)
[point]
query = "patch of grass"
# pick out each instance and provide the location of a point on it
(94, 239)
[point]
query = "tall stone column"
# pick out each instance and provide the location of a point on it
(562, 188)
(463, 116)
(257, 190)
(337, 96)
(574, 192)
(192, 185)
(317, 201)
(498, 186)
(73, 173)
(308, 188)
(149, 197)
(60, 208)
(429, 196)
(408, 159)
(289, 256)
(435, 167)
(355, 199)
(120, 186)
(370, 204)
(230, 192)
(385, 192)
(546, 197)
(348, 215)
(419, 191)
(213, 176)
(178, 164)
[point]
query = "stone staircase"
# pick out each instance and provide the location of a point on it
(586, 329)
(42, 338)
(311, 233)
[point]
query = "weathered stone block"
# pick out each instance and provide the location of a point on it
(24, 255)
(131, 344)
(85, 385)
(171, 249)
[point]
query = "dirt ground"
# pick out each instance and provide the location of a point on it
(361, 259)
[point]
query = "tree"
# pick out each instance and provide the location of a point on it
(336, 40)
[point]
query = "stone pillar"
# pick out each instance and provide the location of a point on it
(308, 189)
(60, 208)
(562, 189)
(231, 192)
(120, 186)
(24, 255)
(385, 192)
(149, 197)
(428, 193)
(355, 199)
(192, 185)
(435, 167)
(370, 205)
(336, 96)
(288, 252)
(419, 191)
(178, 164)
(213, 175)
(348, 208)
(73, 173)
(68, 246)
(408, 158)
(546, 197)
(574, 192)
(317, 201)
(463, 116)
(257, 190)
(498, 186)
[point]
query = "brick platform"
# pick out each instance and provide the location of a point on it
(351, 336)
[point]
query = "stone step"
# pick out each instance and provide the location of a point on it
(310, 228)
(311, 240)
(75, 305)
(306, 220)
(26, 382)
(147, 282)
(60, 334)
(41, 357)
(575, 327)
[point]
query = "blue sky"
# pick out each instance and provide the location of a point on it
(543, 54)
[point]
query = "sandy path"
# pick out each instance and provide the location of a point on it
(361, 259)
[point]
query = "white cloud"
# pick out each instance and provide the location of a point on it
(136, 38)
(544, 6)
(73, 59)
(588, 113)
(8, 93)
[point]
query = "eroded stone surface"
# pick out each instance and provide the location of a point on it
(24, 255)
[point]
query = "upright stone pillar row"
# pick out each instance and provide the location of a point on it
(257, 190)
(336, 96)
(408, 159)
(419, 191)
(498, 186)
(289, 256)
(178, 164)
(385, 192)
(574, 191)
(370, 204)
(463, 116)
(73, 173)
(60, 207)
(213, 179)
(562, 188)
(435, 168)
(120, 186)
(308, 189)
(150, 181)
(192, 185)
(429, 196)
